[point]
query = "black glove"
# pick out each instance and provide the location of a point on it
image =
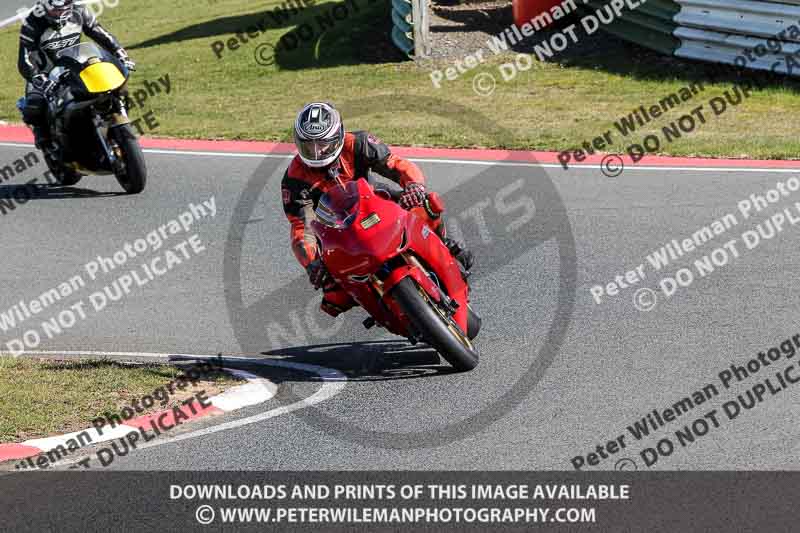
(318, 275)
(127, 61)
(43, 84)
(413, 196)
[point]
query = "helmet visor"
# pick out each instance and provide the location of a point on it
(318, 150)
(58, 12)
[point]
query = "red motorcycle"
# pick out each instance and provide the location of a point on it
(393, 263)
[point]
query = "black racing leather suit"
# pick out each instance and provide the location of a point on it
(39, 40)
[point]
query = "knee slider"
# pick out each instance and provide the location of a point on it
(34, 111)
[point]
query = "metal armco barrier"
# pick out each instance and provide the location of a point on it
(724, 48)
(718, 31)
(743, 17)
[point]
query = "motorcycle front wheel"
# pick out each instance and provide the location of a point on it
(434, 326)
(132, 174)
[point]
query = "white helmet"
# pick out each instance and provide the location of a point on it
(58, 11)
(319, 134)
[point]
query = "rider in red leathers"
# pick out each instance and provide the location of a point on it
(329, 155)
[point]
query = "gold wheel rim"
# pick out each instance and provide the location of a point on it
(462, 338)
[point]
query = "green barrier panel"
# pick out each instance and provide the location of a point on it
(403, 26)
(659, 41)
(403, 41)
(401, 23)
(403, 7)
(658, 7)
(650, 25)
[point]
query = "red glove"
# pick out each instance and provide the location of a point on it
(413, 196)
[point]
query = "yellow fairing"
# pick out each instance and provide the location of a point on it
(102, 77)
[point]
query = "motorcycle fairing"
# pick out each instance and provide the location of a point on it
(102, 77)
(400, 245)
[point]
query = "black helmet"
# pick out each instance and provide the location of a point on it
(319, 134)
(57, 12)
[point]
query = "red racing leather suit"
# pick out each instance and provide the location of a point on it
(302, 187)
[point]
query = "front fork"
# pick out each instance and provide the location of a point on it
(101, 130)
(118, 117)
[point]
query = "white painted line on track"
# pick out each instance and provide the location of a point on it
(597, 167)
(17, 145)
(468, 161)
(257, 390)
(218, 154)
(5, 353)
(46, 444)
(333, 382)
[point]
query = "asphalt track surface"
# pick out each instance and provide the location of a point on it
(615, 363)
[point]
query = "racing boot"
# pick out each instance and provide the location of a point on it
(53, 159)
(50, 148)
(336, 300)
(41, 138)
(458, 249)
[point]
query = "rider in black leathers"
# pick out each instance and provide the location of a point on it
(53, 25)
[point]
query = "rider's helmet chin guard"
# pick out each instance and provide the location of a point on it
(58, 12)
(319, 134)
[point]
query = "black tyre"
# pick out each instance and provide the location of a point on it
(473, 323)
(61, 174)
(69, 177)
(132, 174)
(433, 325)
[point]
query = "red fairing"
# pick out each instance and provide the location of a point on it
(358, 241)
(359, 251)
(427, 245)
(436, 204)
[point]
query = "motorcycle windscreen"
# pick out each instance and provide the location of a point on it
(102, 77)
(338, 207)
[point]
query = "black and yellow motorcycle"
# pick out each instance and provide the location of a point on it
(89, 122)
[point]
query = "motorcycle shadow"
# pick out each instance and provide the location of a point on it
(368, 361)
(23, 193)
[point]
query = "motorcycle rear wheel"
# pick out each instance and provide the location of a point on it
(133, 174)
(438, 330)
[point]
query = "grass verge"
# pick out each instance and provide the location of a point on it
(42, 398)
(554, 106)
